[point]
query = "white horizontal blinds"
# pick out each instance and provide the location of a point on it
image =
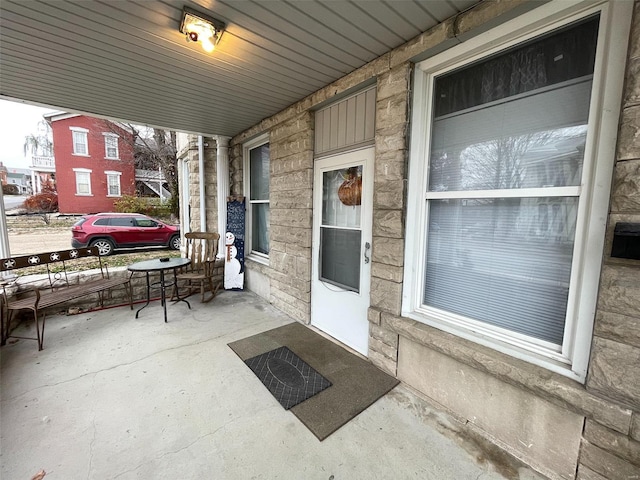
(259, 198)
(519, 126)
(340, 232)
(502, 261)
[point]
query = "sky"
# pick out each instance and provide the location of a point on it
(17, 121)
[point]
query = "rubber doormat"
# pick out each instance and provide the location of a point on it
(289, 378)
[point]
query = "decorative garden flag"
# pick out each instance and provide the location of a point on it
(234, 245)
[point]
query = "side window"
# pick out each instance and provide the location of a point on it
(83, 181)
(80, 142)
(101, 222)
(121, 221)
(111, 146)
(113, 183)
(145, 222)
(256, 163)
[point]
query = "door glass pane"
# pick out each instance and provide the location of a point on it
(340, 257)
(341, 197)
(503, 261)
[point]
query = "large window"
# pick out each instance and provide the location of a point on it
(257, 186)
(80, 143)
(111, 146)
(83, 181)
(504, 165)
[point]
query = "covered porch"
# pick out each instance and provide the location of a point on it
(117, 397)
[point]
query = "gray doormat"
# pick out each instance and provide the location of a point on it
(356, 382)
(289, 378)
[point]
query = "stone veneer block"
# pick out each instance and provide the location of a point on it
(392, 111)
(632, 90)
(393, 83)
(384, 334)
(386, 295)
(293, 235)
(540, 433)
(628, 145)
(625, 196)
(607, 464)
(614, 371)
(388, 223)
(391, 138)
(619, 328)
(388, 194)
(292, 180)
(373, 316)
(387, 272)
(382, 348)
(635, 427)
(382, 362)
(295, 217)
(620, 290)
(291, 199)
(389, 251)
(612, 441)
(391, 165)
(585, 473)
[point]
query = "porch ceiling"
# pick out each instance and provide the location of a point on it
(127, 60)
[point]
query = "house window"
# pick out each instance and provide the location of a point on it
(111, 146)
(501, 173)
(83, 181)
(80, 144)
(113, 184)
(256, 160)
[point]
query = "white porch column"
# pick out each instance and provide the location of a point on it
(222, 180)
(4, 236)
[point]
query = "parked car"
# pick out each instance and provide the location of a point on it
(109, 231)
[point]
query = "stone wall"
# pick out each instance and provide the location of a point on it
(614, 369)
(210, 183)
(608, 406)
(290, 203)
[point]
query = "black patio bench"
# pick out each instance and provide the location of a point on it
(56, 288)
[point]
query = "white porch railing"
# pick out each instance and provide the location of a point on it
(43, 162)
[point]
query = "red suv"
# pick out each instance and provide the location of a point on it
(109, 231)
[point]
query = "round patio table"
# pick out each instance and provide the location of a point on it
(157, 265)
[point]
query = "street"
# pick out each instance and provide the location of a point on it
(13, 201)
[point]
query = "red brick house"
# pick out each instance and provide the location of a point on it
(94, 163)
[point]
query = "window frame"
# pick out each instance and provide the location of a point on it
(117, 175)
(85, 134)
(604, 112)
(107, 137)
(87, 172)
(246, 153)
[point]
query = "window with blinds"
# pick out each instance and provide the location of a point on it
(504, 184)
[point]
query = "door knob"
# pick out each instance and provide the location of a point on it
(367, 247)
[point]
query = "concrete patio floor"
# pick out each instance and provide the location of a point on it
(114, 397)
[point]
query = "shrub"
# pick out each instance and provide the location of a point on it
(131, 204)
(10, 189)
(43, 202)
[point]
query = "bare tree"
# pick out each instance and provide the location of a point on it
(154, 149)
(40, 143)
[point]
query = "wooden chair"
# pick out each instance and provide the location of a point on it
(202, 248)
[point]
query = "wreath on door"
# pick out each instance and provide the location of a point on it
(350, 192)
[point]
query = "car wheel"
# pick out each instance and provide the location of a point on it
(105, 246)
(174, 243)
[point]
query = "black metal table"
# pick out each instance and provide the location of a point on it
(156, 265)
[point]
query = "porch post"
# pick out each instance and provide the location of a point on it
(222, 180)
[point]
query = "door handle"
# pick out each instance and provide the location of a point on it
(367, 247)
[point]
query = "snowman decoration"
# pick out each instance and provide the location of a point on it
(233, 277)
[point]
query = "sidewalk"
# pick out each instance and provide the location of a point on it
(114, 397)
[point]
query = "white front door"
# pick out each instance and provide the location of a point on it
(341, 269)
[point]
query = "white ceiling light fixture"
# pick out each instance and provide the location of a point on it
(202, 28)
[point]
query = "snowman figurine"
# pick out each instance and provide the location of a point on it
(233, 278)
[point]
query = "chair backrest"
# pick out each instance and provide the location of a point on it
(201, 248)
